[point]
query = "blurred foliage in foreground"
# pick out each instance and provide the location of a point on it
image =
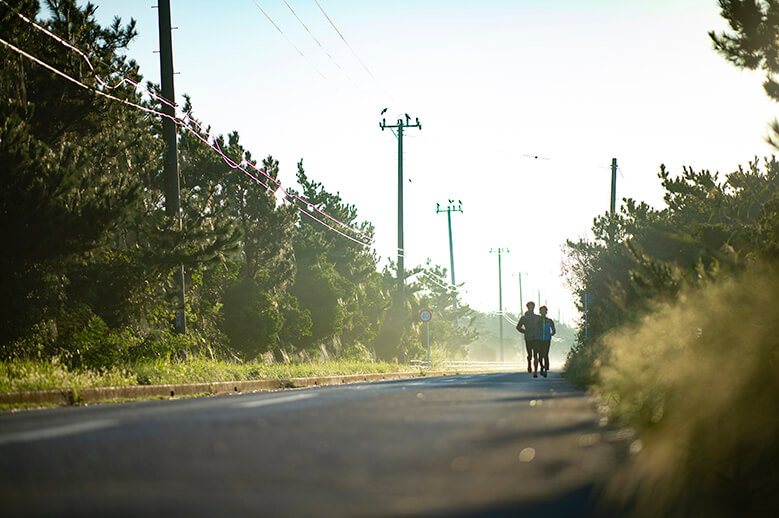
(699, 378)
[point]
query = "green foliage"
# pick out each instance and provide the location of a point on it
(251, 320)
(709, 228)
(17, 375)
(451, 328)
(88, 276)
(90, 249)
(63, 188)
(336, 280)
(752, 43)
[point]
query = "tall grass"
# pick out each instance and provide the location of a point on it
(17, 375)
(700, 379)
(203, 369)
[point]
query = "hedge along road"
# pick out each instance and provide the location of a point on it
(472, 445)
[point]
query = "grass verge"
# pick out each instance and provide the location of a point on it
(21, 375)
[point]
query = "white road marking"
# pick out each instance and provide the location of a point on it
(275, 401)
(57, 431)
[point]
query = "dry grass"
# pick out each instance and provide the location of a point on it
(700, 380)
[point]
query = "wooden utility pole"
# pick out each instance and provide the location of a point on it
(613, 185)
(171, 162)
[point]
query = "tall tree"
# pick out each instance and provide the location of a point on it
(64, 155)
(81, 202)
(337, 280)
(752, 43)
(451, 328)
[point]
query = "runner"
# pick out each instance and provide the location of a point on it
(530, 326)
(547, 332)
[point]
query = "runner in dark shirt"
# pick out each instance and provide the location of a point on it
(530, 326)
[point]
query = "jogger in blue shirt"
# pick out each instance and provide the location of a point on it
(547, 332)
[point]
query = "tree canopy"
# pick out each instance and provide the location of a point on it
(90, 253)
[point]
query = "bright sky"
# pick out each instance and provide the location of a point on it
(576, 82)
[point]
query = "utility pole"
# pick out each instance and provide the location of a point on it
(171, 165)
(500, 251)
(401, 251)
(449, 209)
(613, 185)
(521, 302)
(521, 297)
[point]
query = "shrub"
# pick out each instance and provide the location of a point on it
(699, 377)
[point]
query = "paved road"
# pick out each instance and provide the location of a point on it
(500, 444)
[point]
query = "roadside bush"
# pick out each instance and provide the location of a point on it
(698, 378)
(159, 344)
(581, 363)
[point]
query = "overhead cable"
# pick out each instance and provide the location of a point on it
(509, 320)
(319, 43)
(435, 281)
(186, 116)
(351, 49)
(288, 40)
(232, 164)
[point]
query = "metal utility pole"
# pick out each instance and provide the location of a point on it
(171, 165)
(500, 251)
(401, 251)
(449, 209)
(613, 185)
(521, 302)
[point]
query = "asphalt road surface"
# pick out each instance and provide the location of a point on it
(501, 444)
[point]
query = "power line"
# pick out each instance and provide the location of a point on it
(437, 282)
(440, 279)
(351, 49)
(215, 148)
(319, 43)
(509, 320)
(288, 40)
(166, 102)
(76, 81)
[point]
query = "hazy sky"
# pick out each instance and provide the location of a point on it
(576, 82)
